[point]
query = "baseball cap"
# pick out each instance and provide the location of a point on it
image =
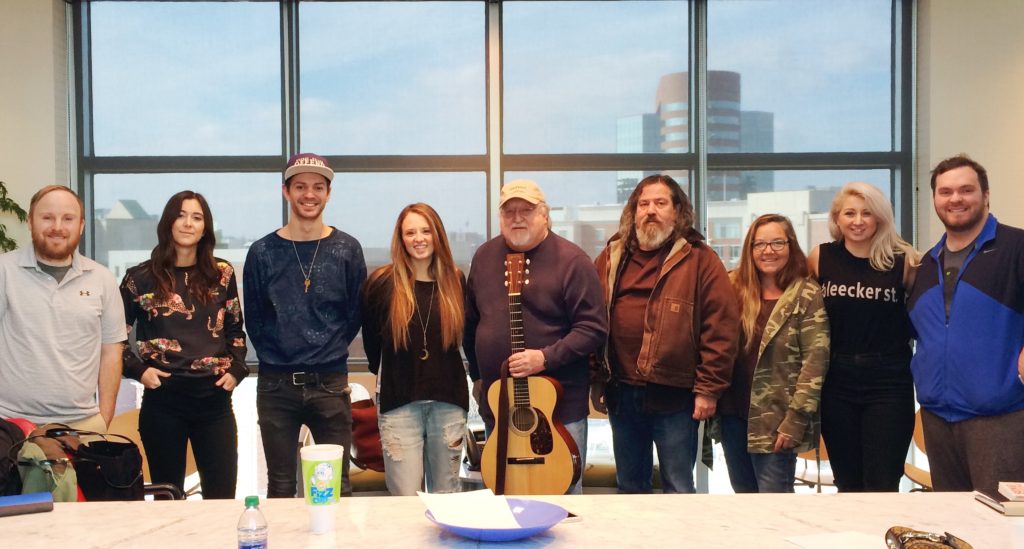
(308, 162)
(521, 188)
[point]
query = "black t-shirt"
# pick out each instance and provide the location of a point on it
(866, 308)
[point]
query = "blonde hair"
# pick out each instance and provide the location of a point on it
(442, 268)
(747, 281)
(886, 242)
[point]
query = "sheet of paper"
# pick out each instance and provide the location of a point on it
(476, 509)
(839, 540)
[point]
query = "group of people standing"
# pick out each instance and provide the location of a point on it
(783, 350)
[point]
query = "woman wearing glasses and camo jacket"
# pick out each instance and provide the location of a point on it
(770, 412)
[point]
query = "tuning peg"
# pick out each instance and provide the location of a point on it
(527, 281)
(506, 273)
(506, 283)
(527, 261)
(527, 271)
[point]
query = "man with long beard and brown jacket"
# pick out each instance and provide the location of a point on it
(673, 325)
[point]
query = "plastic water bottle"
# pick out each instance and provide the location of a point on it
(252, 527)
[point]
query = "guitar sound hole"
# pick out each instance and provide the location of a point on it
(523, 418)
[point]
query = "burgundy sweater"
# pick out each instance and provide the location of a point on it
(563, 316)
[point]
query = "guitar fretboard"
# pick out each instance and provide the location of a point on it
(520, 386)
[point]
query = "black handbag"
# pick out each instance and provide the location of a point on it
(107, 470)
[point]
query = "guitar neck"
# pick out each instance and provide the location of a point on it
(521, 388)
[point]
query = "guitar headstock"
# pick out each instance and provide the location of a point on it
(516, 272)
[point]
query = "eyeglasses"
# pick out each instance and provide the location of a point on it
(776, 245)
(525, 213)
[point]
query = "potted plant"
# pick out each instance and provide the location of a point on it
(8, 205)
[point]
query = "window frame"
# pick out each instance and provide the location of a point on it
(494, 162)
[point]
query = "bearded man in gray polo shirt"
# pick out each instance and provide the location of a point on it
(61, 322)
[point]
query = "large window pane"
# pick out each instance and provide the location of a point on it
(815, 76)
(805, 197)
(245, 207)
(189, 78)
(595, 77)
(366, 206)
(393, 77)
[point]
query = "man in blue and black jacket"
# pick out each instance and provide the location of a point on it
(967, 307)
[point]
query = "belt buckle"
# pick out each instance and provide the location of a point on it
(298, 378)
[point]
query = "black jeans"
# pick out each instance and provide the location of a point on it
(168, 421)
(321, 402)
(867, 420)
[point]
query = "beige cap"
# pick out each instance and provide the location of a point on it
(521, 188)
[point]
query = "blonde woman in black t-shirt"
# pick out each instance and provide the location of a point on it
(412, 329)
(867, 408)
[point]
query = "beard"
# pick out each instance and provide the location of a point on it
(56, 252)
(976, 218)
(651, 235)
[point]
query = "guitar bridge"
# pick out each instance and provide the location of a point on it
(526, 461)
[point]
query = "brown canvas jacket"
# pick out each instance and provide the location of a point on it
(691, 327)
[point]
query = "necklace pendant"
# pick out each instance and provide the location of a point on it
(425, 354)
(307, 286)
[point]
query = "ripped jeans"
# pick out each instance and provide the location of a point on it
(425, 436)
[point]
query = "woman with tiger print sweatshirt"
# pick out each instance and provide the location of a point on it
(189, 349)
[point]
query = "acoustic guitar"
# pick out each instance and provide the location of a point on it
(529, 451)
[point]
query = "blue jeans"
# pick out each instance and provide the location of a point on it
(578, 431)
(322, 403)
(422, 436)
(635, 434)
(753, 473)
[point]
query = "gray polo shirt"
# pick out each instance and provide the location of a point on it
(50, 336)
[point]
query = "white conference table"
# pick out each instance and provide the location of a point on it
(762, 521)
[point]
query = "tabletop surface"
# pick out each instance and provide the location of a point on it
(755, 520)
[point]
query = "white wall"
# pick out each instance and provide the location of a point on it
(33, 101)
(971, 99)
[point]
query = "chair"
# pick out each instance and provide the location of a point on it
(815, 471)
(917, 475)
(127, 424)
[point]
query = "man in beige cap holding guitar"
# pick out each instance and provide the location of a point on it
(533, 301)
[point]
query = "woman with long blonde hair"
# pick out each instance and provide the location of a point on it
(412, 330)
(770, 412)
(868, 400)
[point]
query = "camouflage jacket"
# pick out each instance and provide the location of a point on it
(791, 364)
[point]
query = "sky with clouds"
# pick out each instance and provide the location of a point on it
(409, 78)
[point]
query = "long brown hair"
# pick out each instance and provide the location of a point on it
(684, 212)
(747, 282)
(161, 261)
(402, 275)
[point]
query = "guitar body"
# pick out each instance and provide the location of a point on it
(542, 457)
